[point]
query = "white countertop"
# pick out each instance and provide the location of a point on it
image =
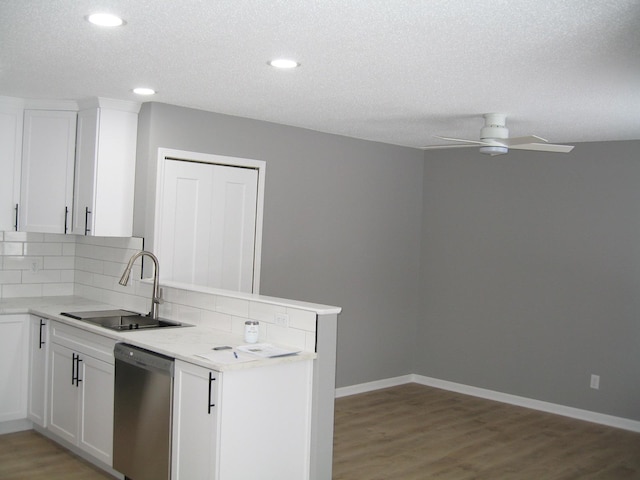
(181, 343)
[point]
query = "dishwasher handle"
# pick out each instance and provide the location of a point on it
(145, 359)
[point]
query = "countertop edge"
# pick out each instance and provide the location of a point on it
(160, 340)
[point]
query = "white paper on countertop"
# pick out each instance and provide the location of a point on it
(266, 350)
(226, 357)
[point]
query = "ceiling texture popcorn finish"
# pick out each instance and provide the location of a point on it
(395, 71)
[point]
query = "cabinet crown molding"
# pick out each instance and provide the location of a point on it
(110, 103)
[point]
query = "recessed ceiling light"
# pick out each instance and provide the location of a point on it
(284, 63)
(144, 91)
(105, 20)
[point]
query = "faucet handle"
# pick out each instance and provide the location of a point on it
(159, 298)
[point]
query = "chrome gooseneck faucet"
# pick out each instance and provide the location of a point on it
(156, 297)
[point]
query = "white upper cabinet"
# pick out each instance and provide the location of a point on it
(48, 150)
(105, 168)
(11, 112)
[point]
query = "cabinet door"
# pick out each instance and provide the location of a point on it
(38, 348)
(10, 159)
(195, 416)
(64, 399)
(105, 172)
(207, 224)
(96, 423)
(14, 362)
(85, 171)
(48, 154)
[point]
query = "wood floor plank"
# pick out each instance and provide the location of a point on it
(418, 432)
(30, 456)
(413, 432)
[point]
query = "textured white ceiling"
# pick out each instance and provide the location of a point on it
(394, 71)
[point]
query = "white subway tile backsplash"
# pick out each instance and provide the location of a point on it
(265, 312)
(11, 248)
(67, 276)
(233, 306)
(218, 320)
(32, 248)
(33, 265)
(184, 313)
(41, 276)
(115, 269)
(172, 295)
(104, 281)
(56, 237)
(82, 277)
(23, 263)
(23, 237)
(302, 319)
(286, 336)
(69, 249)
(56, 289)
(60, 263)
(10, 276)
(21, 290)
(89, 265)
(201, 300)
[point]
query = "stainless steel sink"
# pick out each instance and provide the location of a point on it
(122, 320)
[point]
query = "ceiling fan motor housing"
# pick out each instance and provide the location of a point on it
(494, 129)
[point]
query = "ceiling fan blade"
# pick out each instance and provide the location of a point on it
(509, 142)
(544, 147)
(438, 147)
(476, 142)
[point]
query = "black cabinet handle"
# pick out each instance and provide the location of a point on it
(87, 212)
(78, 379)
(66, 216)
(16, 225)
(42, 324)
(73, 369)
(210, 405)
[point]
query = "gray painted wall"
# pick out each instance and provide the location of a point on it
(531, 274)
(519, 273)
(341, 224)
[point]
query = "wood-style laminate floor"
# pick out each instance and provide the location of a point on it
(413, 432)
(30, 456)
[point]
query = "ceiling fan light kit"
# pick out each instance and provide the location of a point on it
(494, 150)
(494, 139)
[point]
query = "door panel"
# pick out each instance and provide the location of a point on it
(96, 432)
(208, 224)
(64, 398)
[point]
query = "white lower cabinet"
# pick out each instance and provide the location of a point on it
(14, 366)
(38, 353)
(81, 375)
(248, 423)
(195, 422)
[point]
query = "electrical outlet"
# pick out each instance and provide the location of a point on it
(595, 382)
(282, 320)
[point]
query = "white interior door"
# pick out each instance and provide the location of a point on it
(207, 224)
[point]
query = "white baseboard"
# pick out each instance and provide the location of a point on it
(371, 386)
(12, 426)
(589, 416)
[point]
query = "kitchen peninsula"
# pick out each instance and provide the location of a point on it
(275, 414)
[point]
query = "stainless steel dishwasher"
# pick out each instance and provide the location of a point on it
(142, 413)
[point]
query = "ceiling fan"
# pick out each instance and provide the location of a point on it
(494, 139)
